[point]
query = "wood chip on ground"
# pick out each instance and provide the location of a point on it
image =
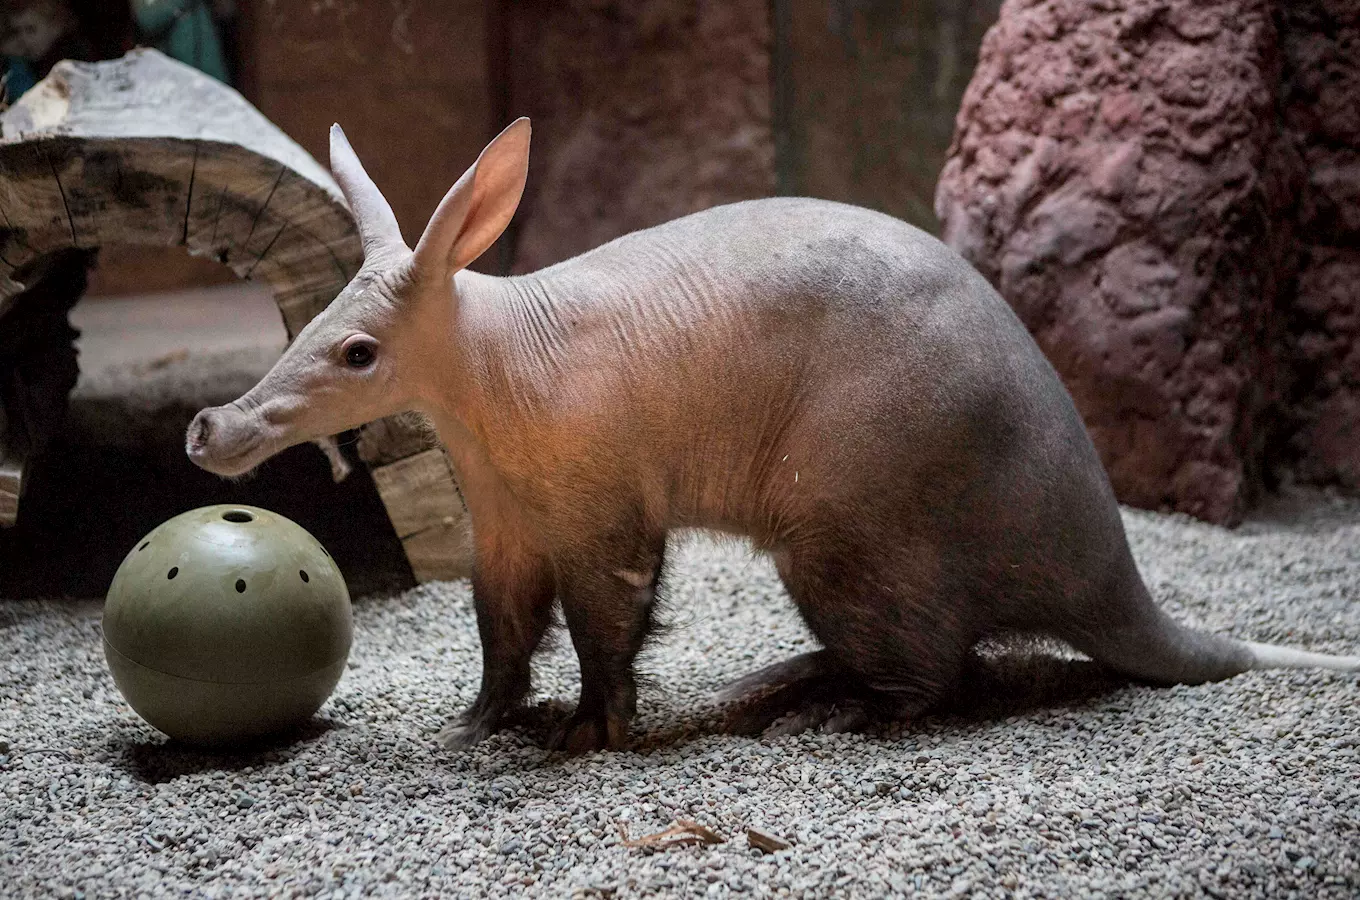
(683, 833)
(765, 842)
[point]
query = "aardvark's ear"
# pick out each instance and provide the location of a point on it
(377, 226)
(478, 208)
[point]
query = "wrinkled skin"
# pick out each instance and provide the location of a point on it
(326, 396)
(828, 381)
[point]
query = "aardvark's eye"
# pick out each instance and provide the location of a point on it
(360, 351)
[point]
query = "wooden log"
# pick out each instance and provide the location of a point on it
(395, 438)
(146, 151)
(428, 514)
(11, 485)
(38, 368)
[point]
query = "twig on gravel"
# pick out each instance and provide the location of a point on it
(683, 833)
(766, 843)
(16, 752)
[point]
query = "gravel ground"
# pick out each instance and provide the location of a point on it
(1051, 783)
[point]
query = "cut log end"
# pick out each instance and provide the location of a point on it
(146, 151)
(11, 486)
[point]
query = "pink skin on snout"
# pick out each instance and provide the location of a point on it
(227, 440)
(232, 440)
(334, 377)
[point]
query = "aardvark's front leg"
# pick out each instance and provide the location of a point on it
(512, 590)
(607, 600)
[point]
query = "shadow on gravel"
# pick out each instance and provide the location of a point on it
(996, 684)
(1001, 685)
(1014, 679)
(156, 762)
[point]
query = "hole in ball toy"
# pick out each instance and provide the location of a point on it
(143, 547)
(240, 585)
(303, 573)
(238, 515)
(172, 573)
(325, 551)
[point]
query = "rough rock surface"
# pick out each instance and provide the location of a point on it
(1321, 49)
(642, 111)
(1112, 173)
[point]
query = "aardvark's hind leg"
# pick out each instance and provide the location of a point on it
(892, 648)
(807, 691)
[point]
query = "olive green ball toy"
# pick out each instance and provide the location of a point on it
(227, 623)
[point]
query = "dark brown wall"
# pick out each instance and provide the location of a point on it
(148, 270)
(643, 110)
(407, 82)
(866, 93)
(1321, 102)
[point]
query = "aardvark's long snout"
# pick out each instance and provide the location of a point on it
(226, 440)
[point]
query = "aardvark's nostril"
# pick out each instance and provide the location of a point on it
(199, 430)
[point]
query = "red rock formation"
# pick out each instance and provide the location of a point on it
(643, 111)
(1119, 172)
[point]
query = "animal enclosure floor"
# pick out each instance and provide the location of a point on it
(146, 328)
(1249, 788)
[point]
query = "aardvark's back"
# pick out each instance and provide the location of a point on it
(767, 366)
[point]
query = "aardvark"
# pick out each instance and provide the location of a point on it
(830, 382)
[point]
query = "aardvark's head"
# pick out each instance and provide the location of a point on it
(377, 349)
